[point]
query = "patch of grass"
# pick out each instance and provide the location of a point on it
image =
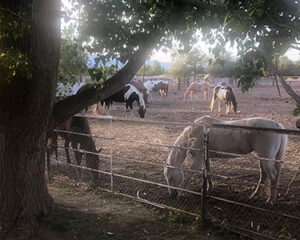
(173, 217)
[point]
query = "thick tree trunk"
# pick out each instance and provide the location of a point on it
(25, 114)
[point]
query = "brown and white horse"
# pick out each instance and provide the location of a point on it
(128, 94)
(223, 93)
(196, 88)
(157, 86)
(140, 86)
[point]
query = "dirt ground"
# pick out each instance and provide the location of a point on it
(125, 219)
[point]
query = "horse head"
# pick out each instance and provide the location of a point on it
(174, 178)
(142, 111)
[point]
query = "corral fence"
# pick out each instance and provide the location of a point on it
(131, 164)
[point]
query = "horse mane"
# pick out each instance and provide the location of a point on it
(184, 140)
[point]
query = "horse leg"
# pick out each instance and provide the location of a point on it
(227, 107)
(261, 181)
(219, 105)
(78, 155)
(272, 172)
(67, 142)
(206, 94)
(212, 104)
(126, 109)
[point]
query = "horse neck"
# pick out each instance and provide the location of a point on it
(177, 155)
(141, 101)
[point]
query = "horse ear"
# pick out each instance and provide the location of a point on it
(99, 150)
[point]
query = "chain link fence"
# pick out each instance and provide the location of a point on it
(127, 157)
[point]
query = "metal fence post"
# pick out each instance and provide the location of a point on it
(111, 156)
(205, 164)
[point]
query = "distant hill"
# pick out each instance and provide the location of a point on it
(165, 65)
(91, 62)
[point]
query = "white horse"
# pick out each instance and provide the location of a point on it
(266, 144)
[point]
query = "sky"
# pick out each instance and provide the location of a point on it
(162, 56)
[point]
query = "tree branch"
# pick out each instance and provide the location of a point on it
(202, 5)
(295, 47)
(283, 25)
(76, 103)
(288, 89)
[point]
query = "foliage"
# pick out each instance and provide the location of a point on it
(296, 111)
(72, 60)
(101, 73)
(151, 70)
(156, 69)
(222, 66)
(186, 64)
(286, 67)
(13, 61)
(120, 28)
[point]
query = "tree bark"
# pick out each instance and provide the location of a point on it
(25, 114)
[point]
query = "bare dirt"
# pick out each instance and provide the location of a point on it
(235, 179)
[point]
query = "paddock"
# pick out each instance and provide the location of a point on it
(132, 150)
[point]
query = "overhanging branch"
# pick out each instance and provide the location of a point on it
(76, 103)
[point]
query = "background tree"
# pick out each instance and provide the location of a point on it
(72, 61)
(196, 61)
(156, 69)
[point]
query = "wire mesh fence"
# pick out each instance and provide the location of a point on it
(128, 157)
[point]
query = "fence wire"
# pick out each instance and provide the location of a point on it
(132, 160)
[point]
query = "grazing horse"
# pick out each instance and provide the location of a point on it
(195, 88)
(267, 145)
(78, 125)
(128, 94)
(140, 86)
(157, 86)
(223, 93)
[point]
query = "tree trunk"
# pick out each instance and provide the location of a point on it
(25, 114)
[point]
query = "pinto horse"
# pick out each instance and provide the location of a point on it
(140, 86)
(268, 145)
(157, 86)
(223, 93)
(195, 88)
(78, 125)
(128, 94)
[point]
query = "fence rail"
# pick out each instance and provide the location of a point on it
(234, 178)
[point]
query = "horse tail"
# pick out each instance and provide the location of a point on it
(232, 98)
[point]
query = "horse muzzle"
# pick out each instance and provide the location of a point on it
(173, 193)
